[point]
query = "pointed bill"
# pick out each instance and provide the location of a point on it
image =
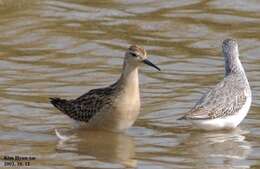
(146, 61)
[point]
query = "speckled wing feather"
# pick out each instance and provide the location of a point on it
(227, 98)
(86, 106)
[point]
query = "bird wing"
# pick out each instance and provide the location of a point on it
(227, 98)
(86, 106)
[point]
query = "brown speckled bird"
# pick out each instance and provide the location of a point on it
(113, 108)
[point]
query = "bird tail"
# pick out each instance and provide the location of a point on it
(66, 107)
(60, 104)
(182, 118)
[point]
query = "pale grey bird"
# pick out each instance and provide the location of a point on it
(227, 104)
(113, 108)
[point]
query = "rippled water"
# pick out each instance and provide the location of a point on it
(65, 48)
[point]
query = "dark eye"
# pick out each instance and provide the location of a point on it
(134, 55)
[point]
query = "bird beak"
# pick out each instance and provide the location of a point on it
(146, 61)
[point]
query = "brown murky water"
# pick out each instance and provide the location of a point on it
(65, 48)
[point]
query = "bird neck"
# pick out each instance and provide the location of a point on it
(232, 62)
(129, 80)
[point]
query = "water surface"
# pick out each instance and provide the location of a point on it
(65, 48)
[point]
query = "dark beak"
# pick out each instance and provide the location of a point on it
(146, 61)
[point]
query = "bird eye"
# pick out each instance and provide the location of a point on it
(133, 54)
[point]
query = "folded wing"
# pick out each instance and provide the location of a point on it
(86, 106)
(227, 98)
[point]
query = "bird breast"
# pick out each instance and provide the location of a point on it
(128, 106)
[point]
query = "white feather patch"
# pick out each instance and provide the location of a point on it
(62, 137)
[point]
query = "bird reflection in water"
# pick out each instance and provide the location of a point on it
(116, 148)
(220, 148)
